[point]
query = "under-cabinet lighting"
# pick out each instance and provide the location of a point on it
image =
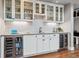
(51, 24)
(20, 22)
(57, 1)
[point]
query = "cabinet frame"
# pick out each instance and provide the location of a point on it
(34, 11)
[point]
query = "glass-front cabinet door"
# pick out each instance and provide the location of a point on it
(57, 13)
(17, 9)
(8, 9)
(61, 14)
(42, 8)
(50, 13)
(37, 8)
(28, 10)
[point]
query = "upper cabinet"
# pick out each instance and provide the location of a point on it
(33, 10)
(50, 13)
(59, 14)
(39, 10)
(18, 9)
(28, 10)
(8, 9)
(61, 19)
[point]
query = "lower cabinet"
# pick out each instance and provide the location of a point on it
(29, 45)
(40, 44)
(54, 42)
(43, 43)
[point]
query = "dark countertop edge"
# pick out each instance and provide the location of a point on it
(33, 34)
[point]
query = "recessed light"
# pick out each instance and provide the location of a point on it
(57, 1)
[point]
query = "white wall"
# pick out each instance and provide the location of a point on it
(29, 27)
(76, 25)
(2, 24)
(68, 25)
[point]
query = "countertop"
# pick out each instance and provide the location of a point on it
(34, 34)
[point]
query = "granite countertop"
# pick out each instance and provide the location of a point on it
(34, 34)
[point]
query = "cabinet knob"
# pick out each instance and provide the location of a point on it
(36, 36)
(43, 39)
(54, 35)
(43, 35)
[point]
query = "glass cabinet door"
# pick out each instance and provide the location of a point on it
(50, 13)
(37, 7)
(8, 8)
(28, 10)
(57, 13)
(61, 13)
(42, 9)
(17, 9)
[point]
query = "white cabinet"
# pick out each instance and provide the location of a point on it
(39, 43)
(28, 10)
(29, 45)
(42, 43)
(59, 14)
(8, 8)
(50, 12)
(25, 10)
(39, 10)
(54, 42)
(12, 9)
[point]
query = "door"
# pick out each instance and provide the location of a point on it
(61, 14)
(39, 43)
(51, 42)
(37, 8)
(46, 43)
(56, 41)
(50, 13)
(29, 47)
(8, 9)
(43, 43)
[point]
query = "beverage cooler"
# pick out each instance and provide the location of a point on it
(63, 41)
(13, 46)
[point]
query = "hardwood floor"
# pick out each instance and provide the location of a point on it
(61, 54)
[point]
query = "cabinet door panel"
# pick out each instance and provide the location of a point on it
(40, 45)
(46, 43)
(29, 45)
(56, 41)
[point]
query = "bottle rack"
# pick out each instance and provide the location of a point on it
(8, 47)
(13, 47)
(63, 41)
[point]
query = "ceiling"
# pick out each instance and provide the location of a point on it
(57, 1)
(75, 2)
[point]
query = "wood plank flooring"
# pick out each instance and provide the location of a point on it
(60, 54)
